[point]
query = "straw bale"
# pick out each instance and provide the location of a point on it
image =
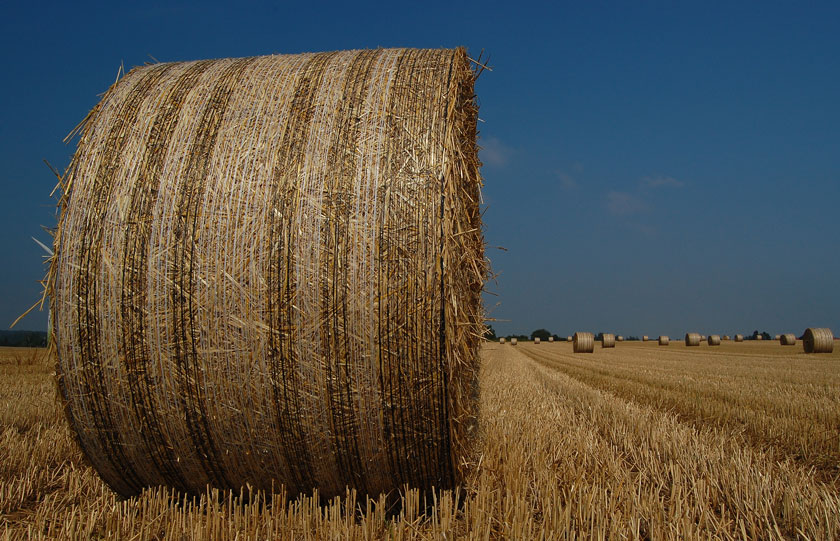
(759, 337)
(664, 341)
(607, 340)
(777, 337)
(739, 337)
(645, 338)
(818, 340)
(513, 341)
(551, 339)
(568, 339)
(787, 339)
(536, 340)
(692, 339)
(583, 342)
(268, 271)
(619, 338)
(714, 340)
(726, 337)
(501, 340)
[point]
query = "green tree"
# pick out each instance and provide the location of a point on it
(542, 334)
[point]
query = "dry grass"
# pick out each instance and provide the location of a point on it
(631, 443)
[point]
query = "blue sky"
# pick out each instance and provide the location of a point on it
(650, 168)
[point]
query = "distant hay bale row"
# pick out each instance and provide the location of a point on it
(583, 342)
(714, 340)
(819, 340)
(664, 340)
(239, 238)
(787, 339)
(692, 339)
(607, 340)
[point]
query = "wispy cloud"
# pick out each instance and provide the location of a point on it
(662, 182)
(495, 152)
(625, 204)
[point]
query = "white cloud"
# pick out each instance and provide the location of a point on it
(625, 204)
(494, 152)
(660, 182)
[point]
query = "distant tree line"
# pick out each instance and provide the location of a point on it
(23, 339)
(543, 334)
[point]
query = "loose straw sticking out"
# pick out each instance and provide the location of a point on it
(664, 341)
(692, 339)
(607, 340)
(819, 340)
(583, 342)
(268, 272)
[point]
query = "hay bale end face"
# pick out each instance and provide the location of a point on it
(607, 340)
(692, 339)
(714, 340)
(238, 238)
(726, 337)
(583, 342)
(664, 340)
(739, 337)
(788, 340)
(777, 337)
(819, 340)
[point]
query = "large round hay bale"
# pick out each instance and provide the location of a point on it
(583, 342)
(664, 340)
(714, 340)
(702, 337)
(739, 337)
(759, 337)
(268, 271)
(607, 340)
(513, 341)
(692, 339)
(536, 340)
(819, 340)
(788, 340)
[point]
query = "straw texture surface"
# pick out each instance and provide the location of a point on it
(268, 271)
(607, 340)
(739, 337)
(664, 340)
(692, 339)
(583, 342)
(818, 340)
(714, 339)
(788, 339)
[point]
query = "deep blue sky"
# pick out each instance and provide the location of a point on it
(649, 168)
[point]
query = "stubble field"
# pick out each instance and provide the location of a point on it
(740, 441)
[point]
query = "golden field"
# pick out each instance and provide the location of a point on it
(740, 441)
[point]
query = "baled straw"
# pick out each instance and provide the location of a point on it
(645, 338)
(777, 337)
(739, 337)
(819, 340)
(607, 340)
(714, 340)
(788, 340)
(513, 341)
(619, 338)
(536, 340)
(583, 342)
(759, 337)
(664, 340)
(551, 339)
(268, 271)
(568, 339)
(726, 337)
(502, 340)
(692, 339)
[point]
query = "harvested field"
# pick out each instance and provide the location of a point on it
(635, 442)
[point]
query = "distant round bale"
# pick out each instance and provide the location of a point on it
(619, 338)
(692, 339)
(502, 340)
(607, 340)
(714, 340)
(536, 339)
(551, 339)
(568, 339)
(513, 341)
(583, 342)
(664, 340)
(645, 338)
(726, 337)
(268, 272)
(777, 337)
(739, 337)
(788, 339)
(819, 340)
(702, 337)
(759, 337)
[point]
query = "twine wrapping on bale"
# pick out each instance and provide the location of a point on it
(714, 340)
(607, 340)
(664, 340)
(268, 271)
(692, 339)
(788, 339)
(819, 340)
(583, 342)
(739, 337)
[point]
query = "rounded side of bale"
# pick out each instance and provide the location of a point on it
(664, 340)
(238, 238)
(788, 340)
(777, 337)
(714, 340)
(759, 337)
(645, 338)
(726, 337)
(583, 342)
(551, 339)
(513, 341)
(607, 340)
(536, 340)
(568, 339)
(619, 338)
(692, 339)
(739, 337)
(501, 340)
(818, 340)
